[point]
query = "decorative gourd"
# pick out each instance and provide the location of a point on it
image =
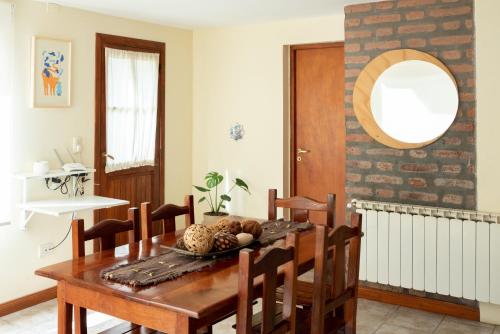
(224, 241)
(198, 239)
(252, 227)
(244, 238)
(229, 226)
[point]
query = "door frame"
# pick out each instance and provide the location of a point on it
(131, 44)
(293, 112)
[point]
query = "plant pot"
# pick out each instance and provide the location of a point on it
(212, 217)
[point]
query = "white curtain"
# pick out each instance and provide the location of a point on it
(131, 108)
(6, 61)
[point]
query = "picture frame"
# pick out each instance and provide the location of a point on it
(51, 73)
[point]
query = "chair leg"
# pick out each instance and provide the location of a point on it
(350, 309)
(80, 320)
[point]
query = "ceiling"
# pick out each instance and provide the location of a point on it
(210, 13)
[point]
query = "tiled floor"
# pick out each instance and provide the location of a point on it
(373, 317)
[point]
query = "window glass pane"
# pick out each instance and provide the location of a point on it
(131, 108)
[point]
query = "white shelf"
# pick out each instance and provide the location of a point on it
(60, 207)
(50, 174)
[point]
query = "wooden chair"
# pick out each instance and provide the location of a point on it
(300, 207)
(105, 231)
(166, 213)
(267, 267)
(335, 301)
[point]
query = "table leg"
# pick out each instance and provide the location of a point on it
(64, 311)
(184, 325)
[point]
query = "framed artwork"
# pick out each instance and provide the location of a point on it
(51, 73)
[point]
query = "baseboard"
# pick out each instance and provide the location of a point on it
(27, 301)
(420, 303)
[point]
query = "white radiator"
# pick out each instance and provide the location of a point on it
(444, 251)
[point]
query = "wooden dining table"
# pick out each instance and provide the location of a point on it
(182, 305)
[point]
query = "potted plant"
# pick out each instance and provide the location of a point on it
(214, 198)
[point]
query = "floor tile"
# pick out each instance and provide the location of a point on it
(460, 326)
(390, 329)
(415, 319)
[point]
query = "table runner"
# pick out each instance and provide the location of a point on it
(170, 265)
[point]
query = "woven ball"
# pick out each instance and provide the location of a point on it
(224, 241)
(180, 244)
(229, 226)
(252, 227)
(198, 239)
(244, 239)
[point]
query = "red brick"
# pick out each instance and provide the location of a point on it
(453, 11)
(384, 166)
(349, 85)
(357, 59)
(418, 196)
(471, 113)
(451, 169)
(454, 183)
(375, 178)
(471, 140)
(417, 182)
(361, 164)
(352, 47)
(359, 191)
(452, 141)
(471, 83)
(467, 97)
(418, 168)
(417, 28)
(416, 42)
(359, 138)
(469, 24)
(363, 8)
(352, 150)
(451, 40)
(352, 177)
(452, 25)
(383, 45)
(384, 193)
(352, 125)
(388, 18)
(384, 5)
(414, 3)
(348, 98)
(385, 151)
(449, 154)
(358, 34)
(349, 111)
(384, 32)
(415, 15)
(451, 54)
(453, 199)
(349, 23)
(352, 72)
(418, 154)
(462, 68)
(463, 127)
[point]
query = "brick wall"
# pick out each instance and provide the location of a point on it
(443, 173)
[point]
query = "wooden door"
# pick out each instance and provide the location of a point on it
(318, 126)
(138, 184)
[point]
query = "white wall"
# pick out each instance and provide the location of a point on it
(37, 132)
(239, 77)
(488, 118)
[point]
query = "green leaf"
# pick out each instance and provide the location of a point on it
(213, 179)
(203, 190)
(242, 184)
(202, 199)
(225, 197)
(223, 206)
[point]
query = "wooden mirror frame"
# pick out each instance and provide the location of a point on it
(364, 86)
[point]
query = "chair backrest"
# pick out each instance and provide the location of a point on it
(267, 266)
(334, 295)
(300, 207)
(166, 214)
(106, 231)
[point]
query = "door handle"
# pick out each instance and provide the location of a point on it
(108, 156)
(301, 150)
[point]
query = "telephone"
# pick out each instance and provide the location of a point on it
(74, 167)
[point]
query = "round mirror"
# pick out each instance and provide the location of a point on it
(405, 99)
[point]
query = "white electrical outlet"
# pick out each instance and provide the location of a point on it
(45, 249)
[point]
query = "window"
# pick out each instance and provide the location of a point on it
(6, 39)
(131, 108)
